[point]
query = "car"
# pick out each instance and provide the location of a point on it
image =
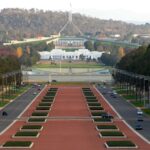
(139, 112)
(138, 127)
(140, 118)
(106, 115)
(34, 93)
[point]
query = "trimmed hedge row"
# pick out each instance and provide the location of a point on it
(27, 133)
(39, 113)
(31, 127)
(17, 144)
(36, 120)
(101, 127)
(111, 133)
(102, 120)
(120, 144)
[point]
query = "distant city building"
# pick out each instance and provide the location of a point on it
(59, 54)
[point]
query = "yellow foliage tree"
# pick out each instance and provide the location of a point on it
(19, 52)
(121, 52)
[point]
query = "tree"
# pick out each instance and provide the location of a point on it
(121, 52)
(19, 52)
(89, 45)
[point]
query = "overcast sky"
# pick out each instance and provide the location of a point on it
(127, 10)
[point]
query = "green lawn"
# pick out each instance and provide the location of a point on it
(12, 95)
(3, 103)
(68, 65)
(146, 111)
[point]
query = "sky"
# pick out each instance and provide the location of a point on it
(136, 11)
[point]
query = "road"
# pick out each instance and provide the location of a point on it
(15, 108)
(127, 111)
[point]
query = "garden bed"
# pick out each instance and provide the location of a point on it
(18, 144)
(37, 120)
(120, 144)
(96, 108)
(26, 134)
(31, 127)
(112, 134)
(44, 104)
(92, 101)
(93, 104)
(47, 100)
(45, 108)
(97, 120)
(106, 127)
(98, 113)
(42, 114)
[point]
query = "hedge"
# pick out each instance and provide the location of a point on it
(96, 108)
(44, 104)
(111, 133)
(106, 127)
(120, 144)
(27, 133)
(94, 104)
(31, 127)
(42, 108)
(98, 113)
(102, 120)
(39, 113)
(17, 144)
(36, 120)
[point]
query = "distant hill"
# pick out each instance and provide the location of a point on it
(22, 23)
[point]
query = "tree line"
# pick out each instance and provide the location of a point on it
(137, 61)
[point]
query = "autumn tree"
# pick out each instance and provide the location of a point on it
(19, 52)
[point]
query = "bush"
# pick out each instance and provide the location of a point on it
(120, 144)
(44, 104)
(88, 94)
(106, 127)
(102, 120)
(94, 104)
(111, 133)
(39, 113)
(31, 127)
(17, 144)
(47, 100)
(27, 133)
(96, 108)
(36, 120)
(92, 101)
(42, 108)
(97, 113)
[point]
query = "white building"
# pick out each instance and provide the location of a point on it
(59, 54)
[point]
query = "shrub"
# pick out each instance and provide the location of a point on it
(36, 120)
(96, 108)
(27, 133)
(111, 133)
(17, 144)
(42, 108)
(106, 127)
(44, 104)
(120, 144)
(94, 104)
(102, 120)
(98, 113)
(31, 127)
(39, 113)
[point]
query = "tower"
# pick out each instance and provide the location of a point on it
(70, 22)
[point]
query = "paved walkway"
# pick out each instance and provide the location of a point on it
(69, 125)
(15, 108)
(127, 111)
